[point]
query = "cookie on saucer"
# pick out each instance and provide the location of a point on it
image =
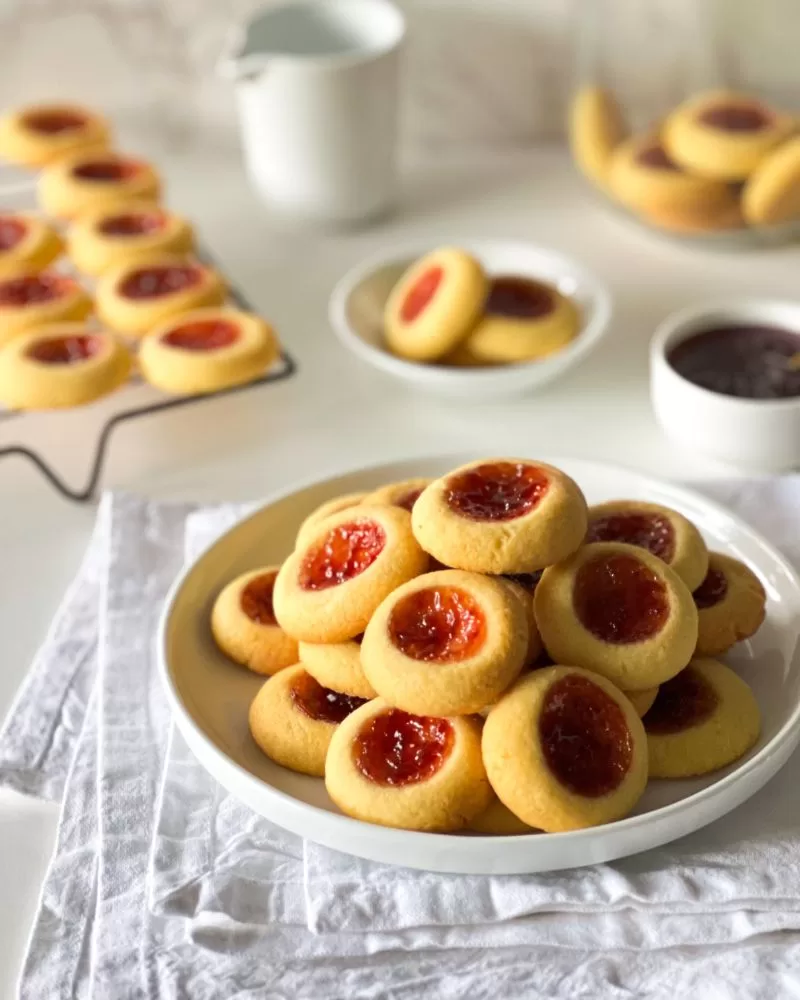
(731, 605)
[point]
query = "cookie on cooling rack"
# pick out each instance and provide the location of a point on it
(95, 180)
(39, 134)
(27, 244)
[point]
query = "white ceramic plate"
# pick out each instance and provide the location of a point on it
(210, 696)
(357, 302)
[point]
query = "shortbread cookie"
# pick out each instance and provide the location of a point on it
(415, 772)
(39, 134)
(94, 181)
(498, 820)
(27, 244)
(723, 135)
(244, 625)
(704, 718)
(662, 531)
(771, 194)
(329, 587)
(564, 750)
(207, 350)
(337, 665)
(596, 129)
(731, 605)
(618, 610)
(642, 701)
(501, 515)
(447, 643)
(434, 305)
(115, 236)
(293, 719)
(344, 502)
(61, 365)
(31, 300)
(403, 494)
(139, 296)
(525, 596)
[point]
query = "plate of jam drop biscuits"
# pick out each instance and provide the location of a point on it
(498, 665)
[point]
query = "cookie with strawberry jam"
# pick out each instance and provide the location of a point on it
(33, 299)
(337, 665)
(39, 134)
(95, 180)
(27, 244)
(731, 605)
(403, 494)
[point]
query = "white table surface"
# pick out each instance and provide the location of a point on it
(336, 413)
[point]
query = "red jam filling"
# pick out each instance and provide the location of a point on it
(155, 282)
(407, 500)
(681, 703)
(584, 737)
(132, 224)
(519, 298)
(256, 599)
(649, 531)
(65, 350)
(619, 600)
(320, 703)
(12, 231)
(657, 157)
(203, 335)
(736, 118)
(530, 581)
(496, 491)
(344, 553)
(396, 748)
(421, 293)
(54, 121)
(440, 624)
(712, 590)
(33, 289)
(107, 171)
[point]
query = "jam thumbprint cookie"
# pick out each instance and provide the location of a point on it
(498, 821)
(663, 532)
(771, 195)
(293, 719)
(404, 494)
(434, 305)
(704, 718)
(93, 181)
(564, 750)
(138, 296)
(502, 515)
(618, 610)
(27, 244)
(723, 135)
(448, 643)
(337, 665)
(115, 236)
(523, 320)
(642, 700)
(415, 772)
(244, 625)
(731, 604)
(61, 365)
(329, 587)
(525, 597)
(41, 133)
(30, 300)
(207, 350)
(596, 129)
(325, 510)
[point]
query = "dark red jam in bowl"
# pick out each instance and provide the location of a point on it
(750, 361)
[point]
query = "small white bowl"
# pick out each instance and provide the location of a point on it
(760, 434)
(357, 303)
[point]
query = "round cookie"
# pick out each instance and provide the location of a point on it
(414, 772)
(293, 719)
(596, 129)
(114, 236)
(38, 298)
(525, 596)
(771, 194)
(434, 305)
(139, 296)
(61, 365)
(402, 494)
(325, 510)
(329, 587)
(642, 701)
(207, 350)
(731, 605)
(565, 750)
(704, 718)
(27, 244)
(618, 610)
(244, 626)
(696, 219)
(660, 530)
(523, 320)
(337, 665)
(93, 181)
(501, 515)
(497, 820)
(723, 135)
(462, 357)
(38, 134)
(447, 643)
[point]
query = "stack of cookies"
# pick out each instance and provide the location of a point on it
(484, 652)
(152, 296)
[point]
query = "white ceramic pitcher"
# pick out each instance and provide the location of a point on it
(317, 92)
